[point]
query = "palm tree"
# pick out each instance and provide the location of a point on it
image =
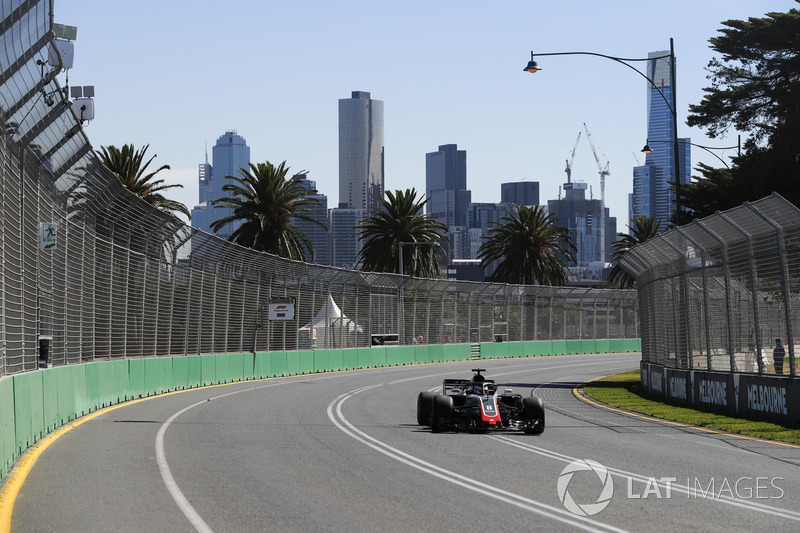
(130, 167)
(530, 247)
(398, 222)
(265, 202)
(642, 228)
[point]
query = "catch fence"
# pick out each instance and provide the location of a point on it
(717, 293)
(90, 272)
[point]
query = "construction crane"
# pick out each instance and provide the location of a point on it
(603, 173)
(568, 170)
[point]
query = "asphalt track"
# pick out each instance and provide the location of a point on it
(342, 451)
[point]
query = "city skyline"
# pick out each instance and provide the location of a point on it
(444, 86)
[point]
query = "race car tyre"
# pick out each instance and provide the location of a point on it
(424, 406)
(442, 410)
(533, 414)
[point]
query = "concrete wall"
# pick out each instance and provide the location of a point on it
(33, 404)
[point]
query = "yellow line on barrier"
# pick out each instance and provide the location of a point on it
(584, 397)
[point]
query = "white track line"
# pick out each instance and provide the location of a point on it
(684, 489)
(338, 419)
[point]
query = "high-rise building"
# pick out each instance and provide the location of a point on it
(344, 242)
(481, 217)
(447, 194)
(446, 185)
(652, 195)
(361, 152)
(229, 154)
(520, 193)
(317, 234)
(582, 217)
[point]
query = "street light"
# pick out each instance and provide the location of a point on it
(533, 67)
(708, 149)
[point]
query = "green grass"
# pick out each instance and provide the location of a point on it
(625, 391)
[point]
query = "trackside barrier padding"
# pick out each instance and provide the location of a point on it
(36, 403)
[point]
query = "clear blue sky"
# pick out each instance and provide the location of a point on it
(177, 74)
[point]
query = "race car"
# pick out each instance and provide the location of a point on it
(474, 405)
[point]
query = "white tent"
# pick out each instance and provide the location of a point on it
(333, 328)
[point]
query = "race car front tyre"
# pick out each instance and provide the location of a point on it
(533, 414)
(442, 410)
(424, 405)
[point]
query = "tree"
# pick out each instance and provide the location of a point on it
(755, 88)
(530, 246)
(130, 167)
(642, 229)
(398, 220)
(265, 202)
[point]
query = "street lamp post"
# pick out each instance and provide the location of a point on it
(533, 67)
(708, 149)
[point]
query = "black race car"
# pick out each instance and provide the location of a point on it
(475, 405)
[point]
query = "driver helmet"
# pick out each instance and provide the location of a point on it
(486, 390)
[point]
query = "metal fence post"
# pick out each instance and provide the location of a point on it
(787, 302)
(727, 279)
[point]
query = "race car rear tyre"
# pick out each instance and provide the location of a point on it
(442, 410)
(424, 406)
(533, 414)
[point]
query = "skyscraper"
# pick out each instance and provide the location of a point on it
(344, 242)
(651, 192)
(447, 194)
(229, 154)
(446, 185)
(361, 152)
(317, 234)
(582, 217)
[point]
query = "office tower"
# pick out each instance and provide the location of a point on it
(229, 154)
(481, 217)
(446, 185)
(520, 193)
(654, 197)
(361, 152)
(448, 196)
(317, 234)
(344, 242)
(582, 217)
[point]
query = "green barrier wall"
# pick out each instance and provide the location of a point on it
(36, 403)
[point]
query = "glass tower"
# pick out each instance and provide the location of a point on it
(651, 191)
(446, 185)
(344, 243)
(317, 234)
(448, 196)
(361, 152)
(229, 154)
